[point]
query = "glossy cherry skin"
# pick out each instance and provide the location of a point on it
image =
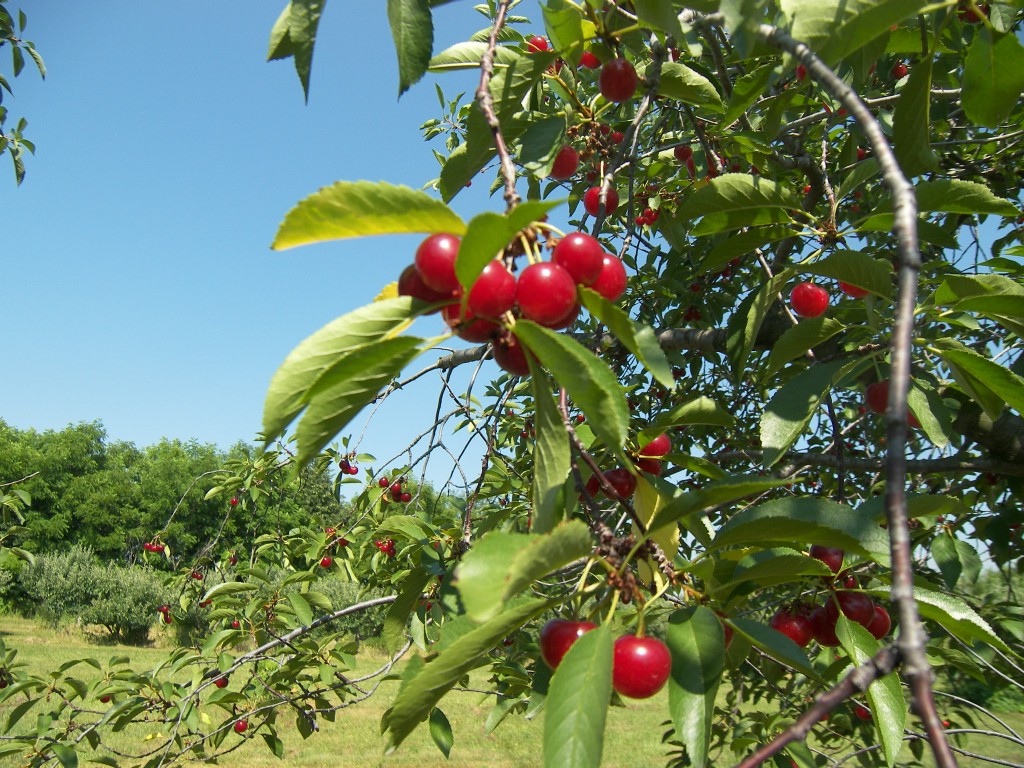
(824, 629)
(658, 447)
(589, 60)
(510, 355)
(568, 320)
(877, 398)
(622, 481)
(611, 283)
(862, 712)
(801, 72)
(856, 606)
(683, 153)
(411, 284)
(650, 466)
(592, 201)
(899, 70)
(557, 636)
(493, 293)
(794, 624)
(567, 162)
(642, 666)
(617, 81)
(880, 623)
(545, 293)
(468, 327)
(325, 562)
(809, 300)
(853, 290)
(536, 44)
(435, 261)
(830, 556)
(581, 255)
(221, 682)
(241, 726)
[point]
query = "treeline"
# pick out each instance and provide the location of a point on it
(112, 497)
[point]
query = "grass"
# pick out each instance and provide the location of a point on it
(633, 733)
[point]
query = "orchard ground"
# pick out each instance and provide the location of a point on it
(633, 737)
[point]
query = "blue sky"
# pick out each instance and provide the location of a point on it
(139, 286)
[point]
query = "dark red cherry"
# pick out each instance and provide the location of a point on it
(558, 636)
(657, 447)
(824, 628)
(567, 162)
(411, 284)
(493, 293)
(611, 283)
(468, 327)
(592, 201)
(794, 624)
(880, 623)
(622, 480)
(435, 261)
(617, 81)
(830, 556)
(510, 355)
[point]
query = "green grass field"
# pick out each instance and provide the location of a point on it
(633, 736)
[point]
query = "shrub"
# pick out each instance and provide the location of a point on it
(125, 602)
(60, 586)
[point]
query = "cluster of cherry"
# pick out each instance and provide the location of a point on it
(387, 546)
(647, 458)
(347, 467)
(395, 489)
(545, 292)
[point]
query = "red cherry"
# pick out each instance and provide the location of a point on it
(853, 290)
(794, 624)
(622, 480)
(899, 70)
(234, 501)
(589, 60)
(221, 682)
(801, 72)
(411, 284)
(467, 326)
(830, 556)
(566, 164)
(197, 575)
(241, 726)
(862, 712)
(650, 466)
(970, 15)
(657, 447)
(683, 153)
(617, 137)
(406, 498)
(809, 300)
(581, 255)
(642, 666)
(861, 153)
(592, 201)
(435, 261)
(545, 293)
(493, 293)
(105, 699)
(510, 355)
(880, 623)
(568, 320)
(325, 562)
(611, 283)
(557, 636)
(383, 482)
(617, 80)
(877, 396)
(536, 44)
(856, 606)
(824, 628)
(233, 560)
(236, 624)
(167, 618)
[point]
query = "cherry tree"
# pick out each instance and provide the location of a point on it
(759, 388)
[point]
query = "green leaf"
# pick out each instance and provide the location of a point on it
(984, 374)
(467, 55)
(274, 744)
(397, 617)
(776, 645)
(412, 28)
(428, 684)
(746, 320)
(294, 35)
(358, 208)
(795, 342)
(912, 121)
(229, 588)
(697, 643)
(993, 77)
(710, 495)
(365, 326)
(956, 196)
(680, 83)
(441, 731)
(786, 415)
(953, 615)
(888, 708)
(551, 458)
(856, 268)
(563, 22)
(660, 15)
(956, 560)
(809, 520)
(577, 703)
(67, 756)
(746, 91)
(738, 193)
(837, 28)
(500, 565)
(638, 339)
(488, 234)
(346, 387)
(701, 410)
(741, 243)
(589, 381)
(769, 567)
(302, 610)
(541, 143)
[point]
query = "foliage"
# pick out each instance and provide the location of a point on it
(866, 147)
(14, 141)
